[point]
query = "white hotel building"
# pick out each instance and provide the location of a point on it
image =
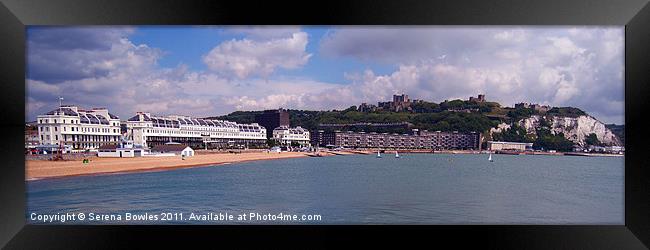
(81, 129)
(286, 135)
(148, 131)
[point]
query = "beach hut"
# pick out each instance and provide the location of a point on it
(113, 150)
(176, 149)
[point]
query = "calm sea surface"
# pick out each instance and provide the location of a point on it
(358, 189)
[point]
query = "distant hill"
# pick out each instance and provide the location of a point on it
(434, 119)
(455, 115)
(618, 130)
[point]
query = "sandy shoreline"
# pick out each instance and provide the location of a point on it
(40, 169)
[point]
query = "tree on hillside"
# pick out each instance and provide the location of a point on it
(426, 107)
(454, 104)
(351, 108)
(520, 113)
(544, 123)
(546, 140)
(592, 139)
(566, 112)
(516, 133)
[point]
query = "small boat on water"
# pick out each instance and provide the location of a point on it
(490, 158)
(378, 155)
(396, 154)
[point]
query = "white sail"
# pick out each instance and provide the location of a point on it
(378, 154)
(396, 154)
(490, 158)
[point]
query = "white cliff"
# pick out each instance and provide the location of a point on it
(574, 129)
(500, 128)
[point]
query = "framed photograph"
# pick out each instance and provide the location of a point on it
(501, 122)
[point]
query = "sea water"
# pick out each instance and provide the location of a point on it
(354, 189)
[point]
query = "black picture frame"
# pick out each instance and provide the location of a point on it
(15, 15)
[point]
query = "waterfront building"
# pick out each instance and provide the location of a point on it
(417, 140)
(287, 136)
(80, 129)
(146, 130)
(615, 149)
(271, 119)
(502, 145)
(31, 136)
(453, 140)
(323, 138)
(606, 149)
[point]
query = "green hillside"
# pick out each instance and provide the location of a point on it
(455, 115)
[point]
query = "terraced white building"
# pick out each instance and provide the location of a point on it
(286, 135)
(147, 131)
(78, 128)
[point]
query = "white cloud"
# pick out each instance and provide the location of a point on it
(246, 57)
(579, 66)
(52, 56)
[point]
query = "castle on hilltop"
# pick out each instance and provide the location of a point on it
(399, 103)
(403, 103)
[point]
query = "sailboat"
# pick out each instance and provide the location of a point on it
(396, 154)
(490, 158)
(378, 154)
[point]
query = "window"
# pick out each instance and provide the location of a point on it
(63, 128)
(56, 137)
(54, 120)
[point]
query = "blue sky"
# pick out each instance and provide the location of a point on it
(212, 70)
(183, 45)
